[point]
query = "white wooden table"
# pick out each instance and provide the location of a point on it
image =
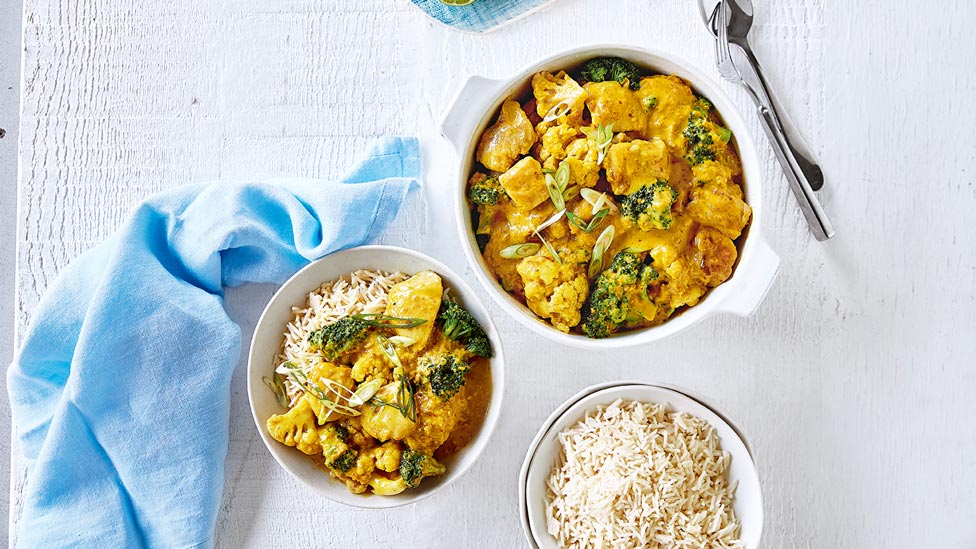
(855, 380)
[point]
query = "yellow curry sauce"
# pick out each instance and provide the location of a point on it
(653, 155)
(418, 415)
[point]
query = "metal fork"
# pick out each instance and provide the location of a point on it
(730, 21)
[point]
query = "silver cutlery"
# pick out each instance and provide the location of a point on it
(729, 21)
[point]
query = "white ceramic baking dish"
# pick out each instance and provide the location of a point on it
(475, 107)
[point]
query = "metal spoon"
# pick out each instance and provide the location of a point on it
(730, 21)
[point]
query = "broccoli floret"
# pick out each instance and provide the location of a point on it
(338, 338)
(603, 69)
(650, 206)
(345, 461)
(485, 191)
(445, 373)
(414, 466)
(703, 136)
(338, 455)
(608, 307)
(482, 240)
(460, 325)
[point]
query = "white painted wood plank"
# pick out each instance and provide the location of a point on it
(854, 379)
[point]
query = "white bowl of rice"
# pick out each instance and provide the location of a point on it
(630, 464)
(367, 272)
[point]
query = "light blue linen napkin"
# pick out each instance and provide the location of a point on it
(479, 16)
(120, 392)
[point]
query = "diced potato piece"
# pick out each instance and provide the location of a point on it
(632, 165)
(525, 183)
(417, 297)
(721, 206)
(510, 137)
(611, 103)
(385, 422)
(559, 93)
(669, 116)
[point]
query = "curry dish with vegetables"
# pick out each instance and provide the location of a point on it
(380, 399)
(608, 200)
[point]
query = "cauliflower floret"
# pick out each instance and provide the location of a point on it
(510, 137)
(525, 183)
(297, 428)
(554, 291)
(552, 149)
(387, 456)
(582, 155)
(611, 103)
(559, 94)
(632, 165)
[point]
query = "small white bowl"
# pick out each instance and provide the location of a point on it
(545, 449)
(267, 339)
(474, 108)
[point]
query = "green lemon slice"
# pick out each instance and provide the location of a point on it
(457, 2)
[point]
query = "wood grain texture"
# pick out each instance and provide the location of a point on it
(853, 380)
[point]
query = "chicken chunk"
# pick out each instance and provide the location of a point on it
(720, 206)
(554, 291)
(715, 253)
(611, 103)
(510, 137)
(416, 297)
(632, 165)
(525, 183)
(559, 93)
(672, 100)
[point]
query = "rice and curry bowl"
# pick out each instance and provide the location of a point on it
(606, 198)
(381, 379)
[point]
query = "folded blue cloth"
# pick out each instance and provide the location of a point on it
(121, 390)
(479, 16)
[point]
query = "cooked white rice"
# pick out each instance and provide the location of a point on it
(633, 474)
(362, 291)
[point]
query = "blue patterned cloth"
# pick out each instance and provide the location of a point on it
(480, 16)
(121, 390)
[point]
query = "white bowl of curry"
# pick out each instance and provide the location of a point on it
(375, 376)
(609, 196)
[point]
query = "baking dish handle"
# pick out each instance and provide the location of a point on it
(746, 296)
(461, 116)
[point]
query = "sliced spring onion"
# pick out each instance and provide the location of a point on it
(377, 320)
(604, 135)
(550, 249)
(518, 251)
(389, 350)
(277, 386)
(557, 110)
(576, 220)
(571, 192)
(562, 176)
(597, 200)
(555, 194)
(545, 224)
(403, 341)
(602, 244)
(365, 391)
